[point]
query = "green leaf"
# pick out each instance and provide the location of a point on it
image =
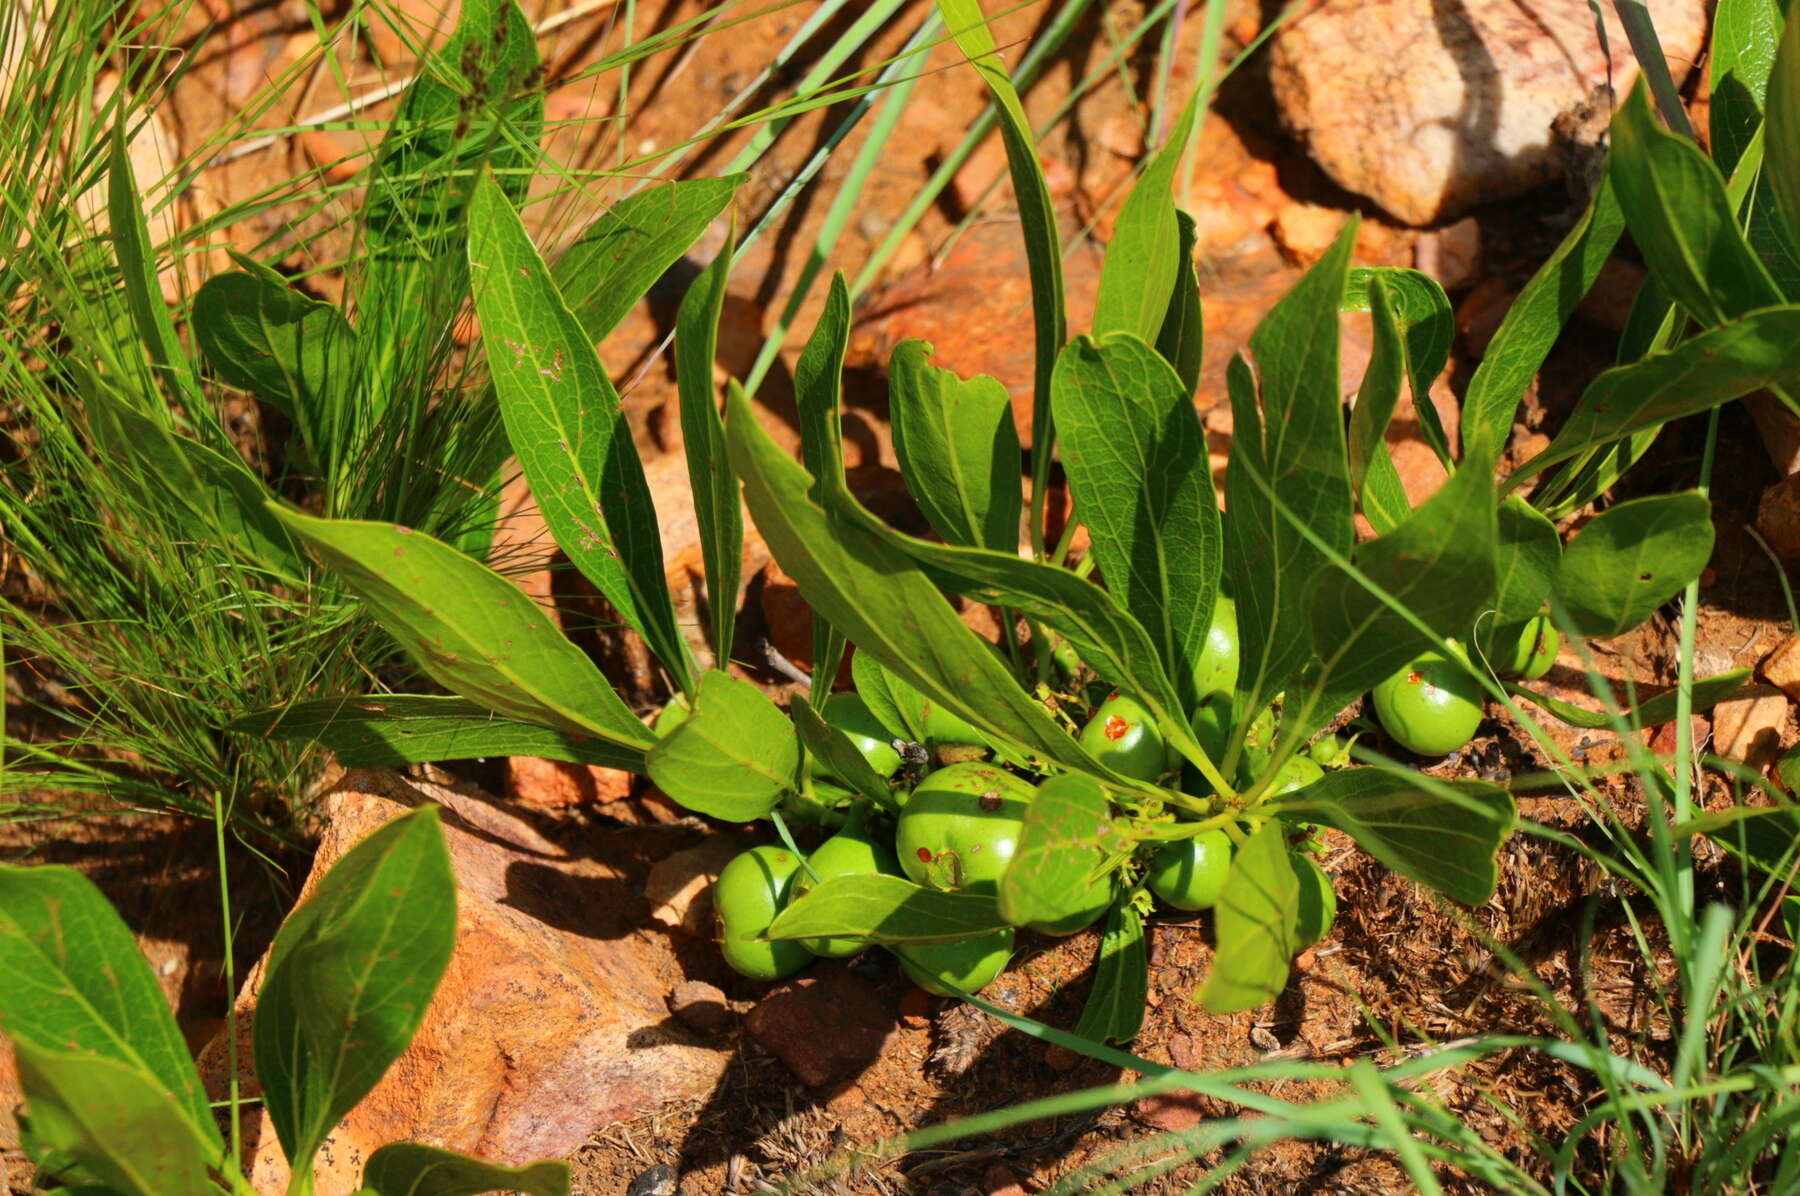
(1531, 327)
(834, 748)
(1421, 317)
(1115, 1007)
(886, 909)
(1289, 447)
(1059, 850)
(1674, 200)
(414, 1169)
(622, 254)
(469, 628)
(1633, 558)
(1439, 565)
(1527, 555)
(274, 342)
(1444, 836)
(896, 705)
(718, 510)
(958, 449)
(1781, 155)
(1652, 711)
(1136, 458)
(77, 987)
(137, 265)
(1701, 373)
(349, 977)
(1181, 341)
(108, 1126)
(223, 498)
(565, 423)
(733, 757)
(1254, 924)
(390, 730)
(1143, 258)
(1037, 218)
(1745, 34)
(1373, 477)
(473, 102)
(819, 399)
(885, 604)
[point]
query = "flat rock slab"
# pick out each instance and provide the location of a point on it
(550, 1022)
(1428, 107)
(826, 1025)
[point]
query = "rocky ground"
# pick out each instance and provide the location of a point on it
(586, 1014)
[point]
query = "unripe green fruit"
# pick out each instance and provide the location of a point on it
(750, 891)
(968, 964)
(1217, 668)
(1526, 650)
(1124, 737)
(1318, 902)
(1297, 773)
(959, 828)
(853, 851)
(1189, 874)
(1431, 706)
(849, 714)
(946, 726)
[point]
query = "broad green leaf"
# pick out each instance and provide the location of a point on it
(895, 704)
(390, 730)
(137, 265)
(1143, 259)
(1037, 218)
(415, 1169)
(1744, 36)
(884, 603)
(1439, 565)
(1701, 373)
(77, 986)
(1253, 924)
(819, 400)
(108, 1126)
(1444, 837)
(1674, 201)
(1059, 850)
(565, 423)
(1531, 326)
(1781, 153)
(471, 630)
(1527, 553)
(885, 909)
(845, 761)
(1373, 477)
(1421, 316)
(958, 449)
(1115, 1006)
(224, 499)
(274, 342)
(621, 255)
(349, 977)
(1181, 341)
(1288, 448)
(1652, 711)
(473, 102)
(1135, 455)
(718, 509)
(1631, 559)
(733, 757)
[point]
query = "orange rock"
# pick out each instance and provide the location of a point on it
(1305, 231)
(556, 784)
(544, 1028)
(1750, 728)
(679, 887)
(1778, 517)
(1781, 668)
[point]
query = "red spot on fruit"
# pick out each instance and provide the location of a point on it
(924, 855)
(1413, 678)
(1116, 727)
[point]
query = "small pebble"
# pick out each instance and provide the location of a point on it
(657, 1180)
(700, 1007)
